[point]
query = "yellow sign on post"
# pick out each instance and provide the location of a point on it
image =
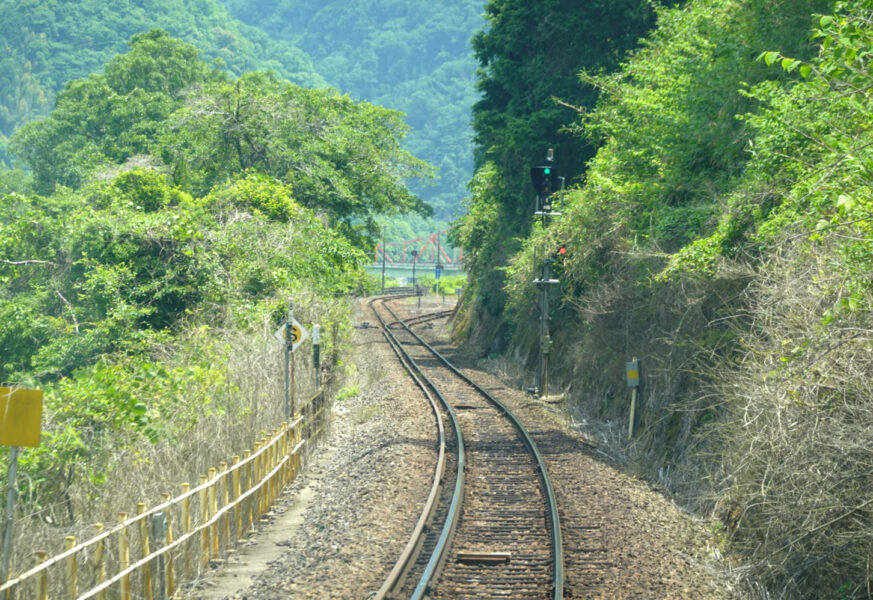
(20, 416)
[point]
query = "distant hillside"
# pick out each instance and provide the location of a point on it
(410, 55)
(47, 43)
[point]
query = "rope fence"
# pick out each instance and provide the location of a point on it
(152, 554)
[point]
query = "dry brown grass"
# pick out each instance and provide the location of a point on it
(795, 444)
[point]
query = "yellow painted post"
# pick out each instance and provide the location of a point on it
(297, 439)
(146, 550)
(265, 468)
(124, 556)
(632, 369)
(277, 458)
(186, 528)
(286, 446)
(99, 562)
(247, 513)
(225, 500)
(292, 470)
(256, 476)
(72, 568)
(237, 510)
(41, 577)
(171, 570)
(204, 517)
(271, 484)
(265, 497)
(213, 510)
(259, 476)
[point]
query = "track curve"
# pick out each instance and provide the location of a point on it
(500, 535)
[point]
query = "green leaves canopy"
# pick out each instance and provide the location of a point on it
(160, 104)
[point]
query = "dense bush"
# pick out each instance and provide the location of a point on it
(48, 44)
(722, 234)
(175, 214)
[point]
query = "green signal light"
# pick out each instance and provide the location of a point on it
(547, 170)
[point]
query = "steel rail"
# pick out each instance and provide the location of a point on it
(557, 543)
(409, 554)
(417, 320)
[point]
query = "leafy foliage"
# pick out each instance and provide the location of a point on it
(723, 232)
(410, 55)
(530, 55)
(50, 43)
(178, 208)
(160, 105)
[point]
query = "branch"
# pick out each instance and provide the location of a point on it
(28, 262)
(70, 307)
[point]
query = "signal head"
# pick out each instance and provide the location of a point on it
(544, 178)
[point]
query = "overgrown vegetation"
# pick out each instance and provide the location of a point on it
(410, 55)
(721, 234)
(48, 44)
(172, 213)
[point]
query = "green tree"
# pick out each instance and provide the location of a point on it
(343, 159)
(410, 55)
(46, 44)
(106, 119)
(530, 56)
(160, 105)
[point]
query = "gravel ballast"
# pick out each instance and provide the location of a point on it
(341, 525)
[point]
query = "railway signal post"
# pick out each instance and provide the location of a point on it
(545, 181)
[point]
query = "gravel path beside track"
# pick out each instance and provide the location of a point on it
(360, 497)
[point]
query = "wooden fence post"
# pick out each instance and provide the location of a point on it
(225, 500)
(146, 550)
(265, 468)
(124, 556)
(42, 577)
(186, 528)
(72, 568)
(171, 570)
(213, 510)
(204, 517)
(297, 439)
(237, 510)
(271, 481)
(247, 512)
(99, 562)
(256, 476)
(286, 448)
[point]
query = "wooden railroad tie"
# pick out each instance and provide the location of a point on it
(483, 558)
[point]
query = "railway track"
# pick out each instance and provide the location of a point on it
(490, 526)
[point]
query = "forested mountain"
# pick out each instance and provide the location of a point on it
(409, 55)
(47, 43)
(720, 232)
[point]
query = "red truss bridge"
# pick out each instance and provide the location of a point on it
(423, 252)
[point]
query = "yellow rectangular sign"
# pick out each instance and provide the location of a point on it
(20, 416)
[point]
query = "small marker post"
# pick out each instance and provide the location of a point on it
(633, 382)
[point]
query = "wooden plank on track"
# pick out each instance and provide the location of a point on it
(484, 558)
